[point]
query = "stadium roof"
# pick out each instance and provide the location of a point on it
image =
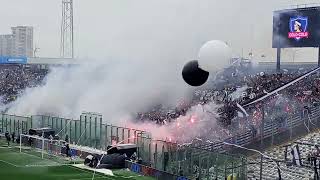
(44, 60)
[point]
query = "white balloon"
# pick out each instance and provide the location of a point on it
(214, 56)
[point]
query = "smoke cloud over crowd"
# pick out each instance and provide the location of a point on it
(113, 89)
(116, 89)
(145, 51)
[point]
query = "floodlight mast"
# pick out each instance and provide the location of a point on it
(67, 41)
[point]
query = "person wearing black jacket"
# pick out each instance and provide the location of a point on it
(7, 135)
(13, 136)
(68, 153)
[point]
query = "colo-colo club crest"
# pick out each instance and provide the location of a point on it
(298, 28)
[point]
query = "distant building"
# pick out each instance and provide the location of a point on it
(22, 41)
(6, 45)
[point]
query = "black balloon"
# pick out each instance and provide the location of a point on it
(193, 74)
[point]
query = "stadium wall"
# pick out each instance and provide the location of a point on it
(161, 155)
(148, 171)
(167, 156)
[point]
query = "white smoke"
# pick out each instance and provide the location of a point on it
(115, 89)
(118, 91)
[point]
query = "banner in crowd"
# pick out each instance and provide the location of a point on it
(13, 60)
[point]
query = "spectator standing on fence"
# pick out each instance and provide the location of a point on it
(50, 144)
(279, 171)
(309, 158)
(7, 135)
(253, 131)
(51, 138)
(67, 138)
(68, 153)
(30, 141)
(134, 157)
(180, 171)
(317, 151)
(139, 160)
(316, 174)
(13, 136)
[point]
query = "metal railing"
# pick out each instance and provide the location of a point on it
(201, 159)
(89, 130)
(273, 133)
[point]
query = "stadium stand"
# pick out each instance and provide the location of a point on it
(15, 78)
(304, 93)
(307, 147)
(294, 111)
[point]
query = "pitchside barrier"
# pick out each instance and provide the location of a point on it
(148, 171)
(17, 124)
(270, 132)
(89, 130)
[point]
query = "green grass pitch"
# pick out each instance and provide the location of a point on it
(21, 166)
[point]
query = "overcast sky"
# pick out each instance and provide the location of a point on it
(154, 29)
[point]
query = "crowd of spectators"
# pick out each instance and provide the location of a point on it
(232, 88)
(239, 88)
(15, 78)
(162, 115)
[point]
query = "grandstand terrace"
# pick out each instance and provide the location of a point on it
(276, 122)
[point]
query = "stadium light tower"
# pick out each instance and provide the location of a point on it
(66, 45)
